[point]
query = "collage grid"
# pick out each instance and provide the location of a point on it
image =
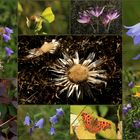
(69, 70)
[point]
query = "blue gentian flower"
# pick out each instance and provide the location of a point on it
(131, 84)
(27, 120)
(134, 32)
(52, 131)
(136, 124)
(54, 119)
(40, 123)
(8, 51)
(136, 57)
(59, 112)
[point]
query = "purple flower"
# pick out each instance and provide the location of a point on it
(6, 37)
(2, 88)
(97, 11)
(126, 108)
(54, 119)
(84, 17)
(40, 123)
(31, 130)
(59, 112)
(8, 30)
(110, 17)
(136, 124)
(136, 57)
(131, 84)
(134, 32)
(8, 51)
(52, 131)
(27, 121)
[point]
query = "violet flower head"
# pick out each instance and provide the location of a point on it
(105, 21)
(27, 121)
(134, 32)
(8, 51)
(59, 112)
(54, 119)
(40, 123)
(8, 30)
(131, 84)
(31, 130)
(97, 11)
(136, 124)
(2, 88)
(112, 15)
(6, 37)
(84, 17)
(136, 57)
(126, 108)
(52, 131)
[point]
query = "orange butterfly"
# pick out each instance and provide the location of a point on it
(93, 125)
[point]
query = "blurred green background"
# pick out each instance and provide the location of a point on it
(131, 16)
(60, 9)
(8, 12)
(43, 111)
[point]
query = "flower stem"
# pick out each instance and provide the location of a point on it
(108, 27)
(97, 22)
(94, 31)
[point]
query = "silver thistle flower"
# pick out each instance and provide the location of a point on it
(72, 72)
(46, 47)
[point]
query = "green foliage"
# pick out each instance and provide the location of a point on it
(3, 111)
(8, 18)
(129, 132)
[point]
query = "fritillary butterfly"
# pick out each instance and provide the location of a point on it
(93, 125)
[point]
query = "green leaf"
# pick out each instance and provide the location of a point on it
(48, 15)
(77, 109)
(103, 110)
(3, 111)
(12, 110)
(109, 133)
(20, 9)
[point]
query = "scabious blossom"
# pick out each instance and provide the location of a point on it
(84, 17)
(131, 84)
(97, 11)
(136, 124)
(27, 121)
(54, 119)
(134, 32)
(40, 123)
(52, 131)
(126, 108)
(8, 51)
(59, 112)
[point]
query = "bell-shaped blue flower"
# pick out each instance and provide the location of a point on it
(40, 123)
(6, 37)
(27, 121)
(59, 112)
(54, 119)
(8, 51)
(8, 30)
(52, 131)
(136, 57)
(134, 31)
